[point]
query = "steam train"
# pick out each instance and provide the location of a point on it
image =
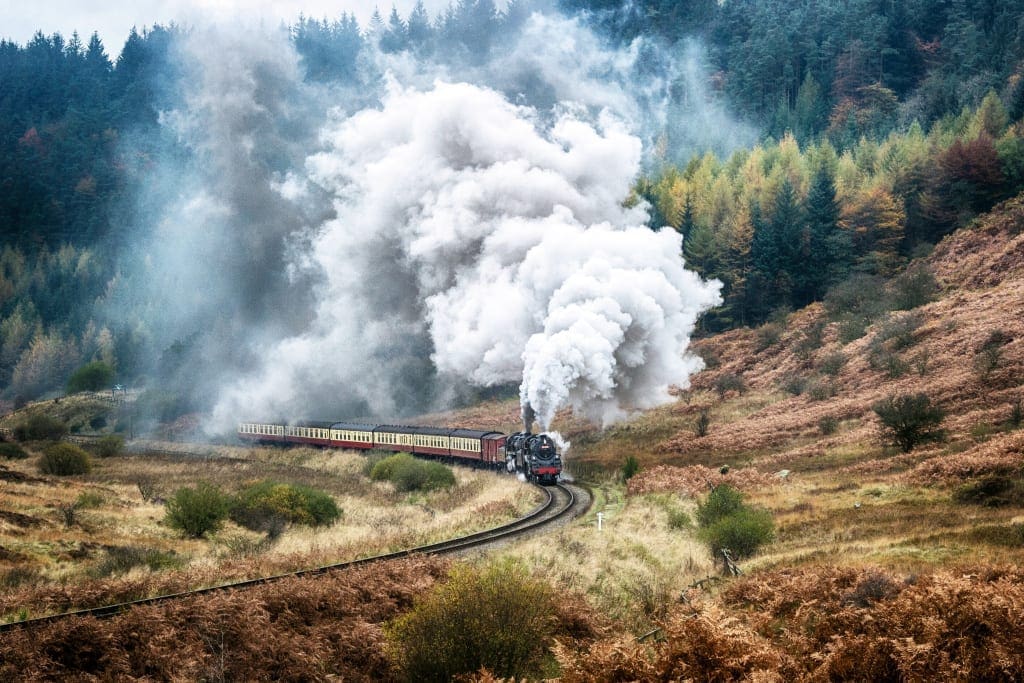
(534, 455)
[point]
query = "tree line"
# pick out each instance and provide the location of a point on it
(844, 68)
(780, 224)
(886, 126)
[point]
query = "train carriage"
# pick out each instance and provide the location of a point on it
(352, 435)
(309, 433)
(487, 448)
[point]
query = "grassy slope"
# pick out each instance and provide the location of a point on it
(849, 497)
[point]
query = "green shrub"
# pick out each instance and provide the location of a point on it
(40, 427)
(795, 384)
(259, 505)
(828, 425)
(424, 476)
(742, 533)
(197, 511)
(630, 468)
(64, 459)
(857, 296)
(726, 522)
(91, 377)
(991, 491)
(108, 446)
(909, 419)
(121, 559)
(88, 500)
(498, 618)
(852, 327)
(384, 469)
(916, 286)
(723, 501)
(374, 456)
(12, 451)
(678, 519)
(1011, 536)
(768, 335)
(811, 340)
(884, 360)
(410, 474)
(897, 333)
(833, 363)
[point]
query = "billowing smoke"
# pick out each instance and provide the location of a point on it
(373, 247)
(503, 249)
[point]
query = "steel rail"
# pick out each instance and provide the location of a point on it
(539, 516)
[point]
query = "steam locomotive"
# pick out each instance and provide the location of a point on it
(533, 455)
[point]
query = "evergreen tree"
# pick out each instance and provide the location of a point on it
(823, 245)
(395, 36)
(419, 30)
(787, 228)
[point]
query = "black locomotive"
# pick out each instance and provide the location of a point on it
(535, 455)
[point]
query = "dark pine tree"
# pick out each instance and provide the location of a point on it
(395, 37)
(822, 243)
(420, 32)
(787, 228)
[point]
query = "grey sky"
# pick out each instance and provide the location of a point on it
(113, 19)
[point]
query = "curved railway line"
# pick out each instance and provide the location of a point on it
(563, 502)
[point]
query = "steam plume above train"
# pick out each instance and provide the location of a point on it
(372, 246)
(505, 243)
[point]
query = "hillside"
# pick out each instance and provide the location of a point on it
(885, 565)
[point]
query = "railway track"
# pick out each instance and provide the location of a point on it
(562, 502)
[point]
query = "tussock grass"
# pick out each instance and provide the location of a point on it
(72, 568)
(634, 569)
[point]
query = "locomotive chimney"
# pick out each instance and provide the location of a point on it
(528, 416)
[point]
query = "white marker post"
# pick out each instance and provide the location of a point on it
(600, 518)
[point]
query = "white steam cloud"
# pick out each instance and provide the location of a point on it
(466, 229)
(374, 245)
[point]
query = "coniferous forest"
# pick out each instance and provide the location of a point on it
(882, 126)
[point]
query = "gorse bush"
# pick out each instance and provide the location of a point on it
(679, 519)
(197, 511)
(916, 286)
(120, 559)
(742, 533)
(833, 363)
(259, 505)
(726, 522)
(411, 474)
(64, 459)
(108, 446)
(909, 419)
(12, 451)
(498, 617)
(828, 425)
(40, 428)
(723, 501)
(991, 491)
